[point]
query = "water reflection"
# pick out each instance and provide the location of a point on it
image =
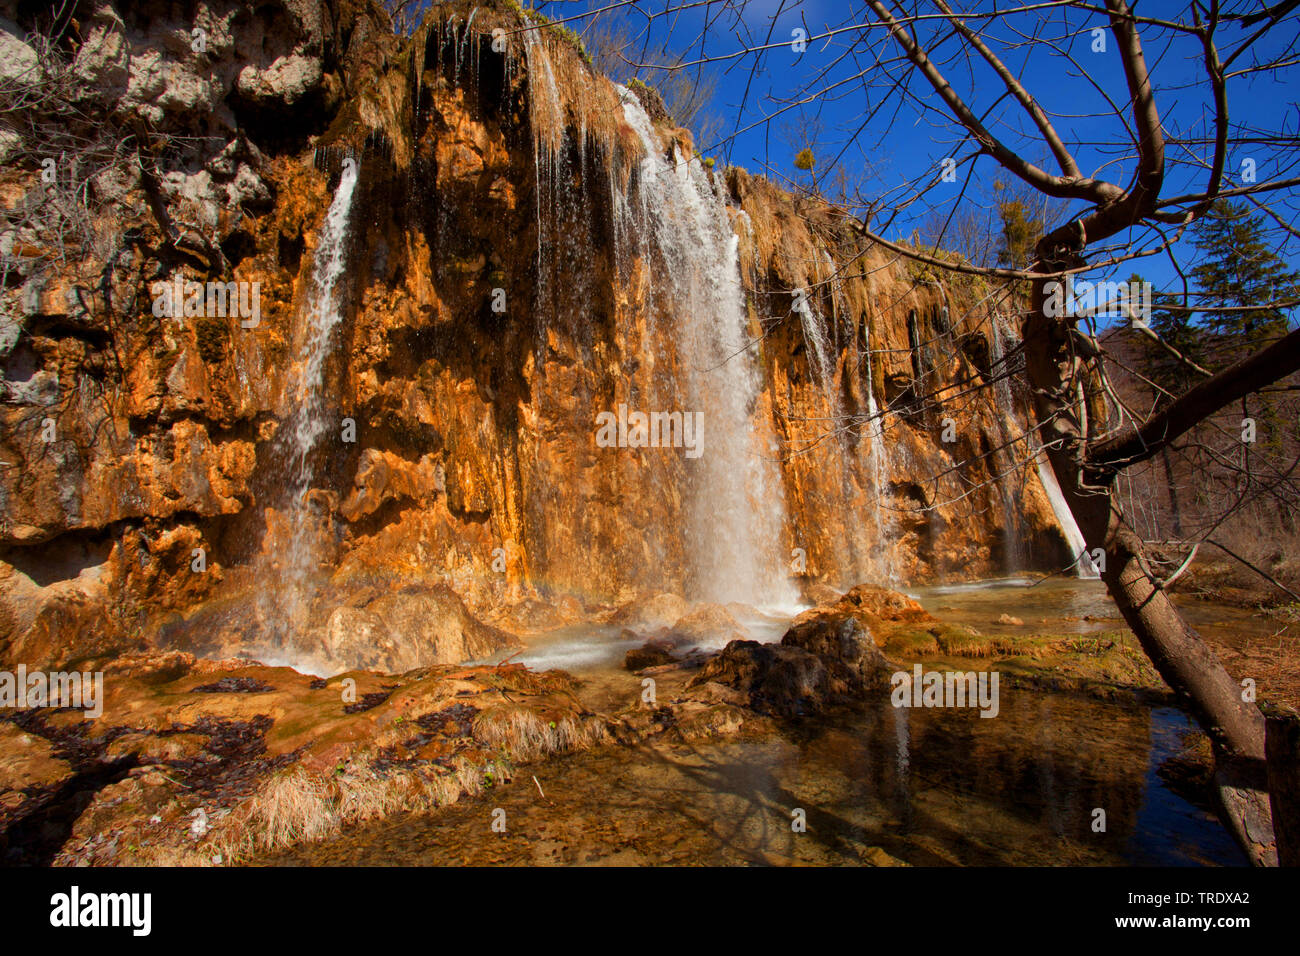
(925, 786)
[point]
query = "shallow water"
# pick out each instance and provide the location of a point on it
(923, 786)
(592, 648)
(928, 787)
(1060, 605)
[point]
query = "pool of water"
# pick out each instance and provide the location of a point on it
(1055, 779)
(925, 787)
(1059, 605)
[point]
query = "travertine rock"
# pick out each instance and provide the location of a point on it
(140, 440)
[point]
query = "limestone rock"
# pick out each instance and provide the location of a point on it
(707, 624)
(409, 628)
(828, 656)
(650, 612)
(776, 679)
(649, 654)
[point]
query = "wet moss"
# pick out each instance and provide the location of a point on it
(556, 29)
(213, 337)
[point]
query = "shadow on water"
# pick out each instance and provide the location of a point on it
(927, 787)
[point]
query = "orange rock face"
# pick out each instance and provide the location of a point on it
(496, 300)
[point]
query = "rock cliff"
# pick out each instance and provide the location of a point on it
(514, 265)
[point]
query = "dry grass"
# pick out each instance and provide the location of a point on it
(963, 643)
(912, 643)
(300, 806)
(523, 736)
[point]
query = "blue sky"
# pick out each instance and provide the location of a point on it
(907, 136)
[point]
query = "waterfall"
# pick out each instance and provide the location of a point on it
(880, 469)
(1012, 534)
(1083, 565)
(1065, 518)
(311, 417)
(735, 505)
(546, 119)
(820, 356)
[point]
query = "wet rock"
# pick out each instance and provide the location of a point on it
(785, 681)
(817, 593)
(706, 624)
(1011, 620)
(649, 654)
(841, 638)
(535, 614)
(828, 656)
(651, 612)
(412, 627)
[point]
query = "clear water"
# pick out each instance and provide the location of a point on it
(925, 787)
(735, 500)
(921, 786)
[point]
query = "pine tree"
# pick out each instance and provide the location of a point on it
(1021, 229)
(1238, 269)
(1179, 330)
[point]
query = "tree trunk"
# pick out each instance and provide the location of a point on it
(1283, 749)
(1174, 506)
(1182, 658)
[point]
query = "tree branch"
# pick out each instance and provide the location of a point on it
(1277, 361)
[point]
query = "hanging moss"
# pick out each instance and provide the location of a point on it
(556, 29)
(213, 335)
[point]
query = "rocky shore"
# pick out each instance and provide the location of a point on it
(212, 762)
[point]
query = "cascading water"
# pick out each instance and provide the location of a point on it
(823, 360)
(878, 461)
(311, 417)
(1084, 567)
(1012, 536)
(819, 353)
(736, 510)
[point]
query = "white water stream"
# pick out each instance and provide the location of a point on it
(312, 416)
(735, 502)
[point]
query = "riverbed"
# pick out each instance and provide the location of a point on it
(1056, 779)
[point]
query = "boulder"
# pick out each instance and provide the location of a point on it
(843, 641)
(817, 593)
(776, 679)
(649, 654)
(651, 612)
(881, 605)
(411, 627)
(827, 657)
(706, 624)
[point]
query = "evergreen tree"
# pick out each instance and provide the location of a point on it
(1238, 269)
(1179, 330)
(1021, 228)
